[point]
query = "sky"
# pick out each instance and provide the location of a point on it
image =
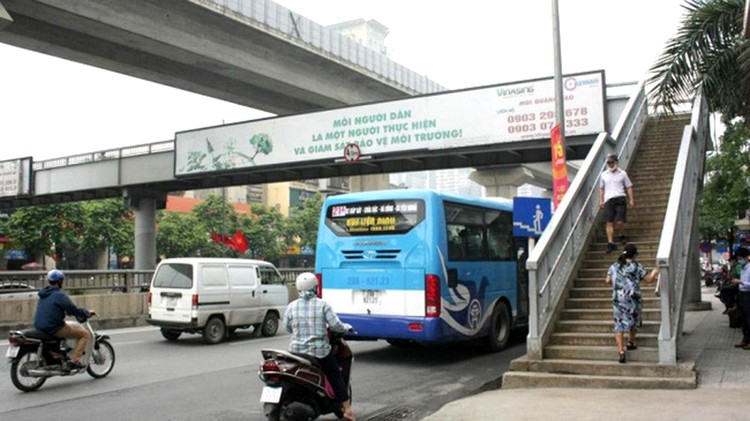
(51, 108)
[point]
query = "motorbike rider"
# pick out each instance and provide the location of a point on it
(51, 309)
(307, 319)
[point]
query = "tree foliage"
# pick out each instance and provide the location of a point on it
(302, 224)
(708, 54)
(108, 222)
(181, 235)
(42, 230)
(726, 192)
(264, 233)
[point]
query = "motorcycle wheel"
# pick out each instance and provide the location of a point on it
(273, 411)
(19, 372)
(103, 360)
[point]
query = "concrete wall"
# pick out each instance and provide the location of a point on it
(113, 311)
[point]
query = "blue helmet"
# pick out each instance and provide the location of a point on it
(55, 276)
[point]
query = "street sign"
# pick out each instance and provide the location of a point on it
(352, 152)
(531, 216)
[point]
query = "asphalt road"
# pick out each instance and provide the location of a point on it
(187, 380)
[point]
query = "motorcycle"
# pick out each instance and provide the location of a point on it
(35, 356)
(296, 387)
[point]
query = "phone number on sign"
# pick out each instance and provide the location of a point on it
(532, 122)
(546, 115)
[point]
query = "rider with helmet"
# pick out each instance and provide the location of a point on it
(51, 309)
(307, 319)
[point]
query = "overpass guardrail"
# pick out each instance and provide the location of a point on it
(79, 282)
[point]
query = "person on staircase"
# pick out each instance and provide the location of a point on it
(615, 197)
(744, 302)
(625, 276)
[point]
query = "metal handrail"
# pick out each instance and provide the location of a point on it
(675, 254)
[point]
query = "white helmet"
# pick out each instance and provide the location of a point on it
(307, 282)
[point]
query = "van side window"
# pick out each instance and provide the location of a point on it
(214, 276)
(241, 276)
(175, 275)
(269, 276)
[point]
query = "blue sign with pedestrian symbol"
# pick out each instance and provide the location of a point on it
(531, 216)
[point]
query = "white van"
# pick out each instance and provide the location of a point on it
(216, 296)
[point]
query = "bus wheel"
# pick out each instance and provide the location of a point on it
(499, 327)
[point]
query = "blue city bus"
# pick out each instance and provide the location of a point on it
(422, 266)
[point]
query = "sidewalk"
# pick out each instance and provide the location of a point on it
(723, 386)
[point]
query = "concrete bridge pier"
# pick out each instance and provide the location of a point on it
(504, 182)
(145, 205)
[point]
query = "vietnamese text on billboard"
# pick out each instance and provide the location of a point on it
(497, 114)
(15, 177)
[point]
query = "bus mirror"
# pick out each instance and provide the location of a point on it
(452, 278)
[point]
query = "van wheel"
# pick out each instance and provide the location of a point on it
(214, 331)
(270, 325)
(170, 335)
(499, 327)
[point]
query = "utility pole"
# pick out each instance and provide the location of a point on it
(559, 99)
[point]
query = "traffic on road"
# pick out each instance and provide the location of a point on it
(189, 380)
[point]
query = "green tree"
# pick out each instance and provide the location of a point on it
(39, 229)
(263, 230)
(215, 215)
(726, 192)
(709, 54)
(302, 224)
(108, 223)
(181, 235)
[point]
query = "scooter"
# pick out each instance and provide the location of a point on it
(35, 356)
(296, 388)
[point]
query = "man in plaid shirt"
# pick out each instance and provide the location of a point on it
(307, 319)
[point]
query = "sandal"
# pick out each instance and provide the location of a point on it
(631, 346)
(622, 357)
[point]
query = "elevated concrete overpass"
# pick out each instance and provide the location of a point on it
(249, 52)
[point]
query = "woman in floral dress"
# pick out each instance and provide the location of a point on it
(625, 276)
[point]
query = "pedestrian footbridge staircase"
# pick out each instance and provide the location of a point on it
(571, 341)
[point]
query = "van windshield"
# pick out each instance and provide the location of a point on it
(174, 275)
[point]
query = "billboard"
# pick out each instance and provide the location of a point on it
(513, 112)
(15, 177)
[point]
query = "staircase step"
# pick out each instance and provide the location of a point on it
(600, 291)
(528, 379)
(600, 353)
(604, 314)
(605, 303)
(604, 368)
(648, 340)
(601, 326)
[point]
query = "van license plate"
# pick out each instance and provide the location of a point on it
(12, 352)
(171, 302)
(270, 394)
(370, 296)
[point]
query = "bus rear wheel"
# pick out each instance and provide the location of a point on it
(499, 327)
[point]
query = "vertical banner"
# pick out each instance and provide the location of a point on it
(559, 169)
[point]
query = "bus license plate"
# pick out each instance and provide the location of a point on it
(270, 394)
(370, 296)
(12, 352)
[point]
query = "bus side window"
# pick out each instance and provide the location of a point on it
(455, 246)
(499, 239)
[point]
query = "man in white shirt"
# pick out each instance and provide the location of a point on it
(615, 197)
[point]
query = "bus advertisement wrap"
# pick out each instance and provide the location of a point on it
(512, 112)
